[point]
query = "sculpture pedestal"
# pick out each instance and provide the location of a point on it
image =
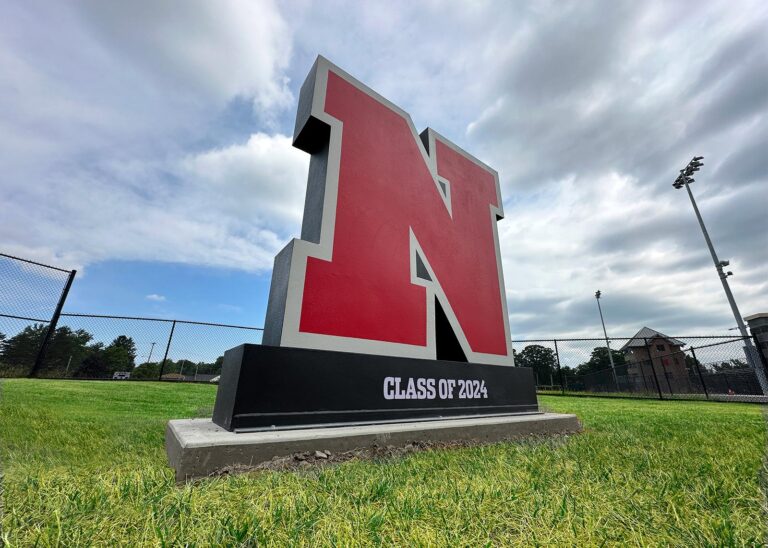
(263, 387)
(198, 447)
(276, 401)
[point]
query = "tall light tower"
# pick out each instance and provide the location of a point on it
(607, 342)
(684, 180)
(151, 348)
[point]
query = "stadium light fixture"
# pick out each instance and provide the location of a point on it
(684, 180)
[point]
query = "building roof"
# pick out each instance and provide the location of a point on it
(757, 316)
(646, 333)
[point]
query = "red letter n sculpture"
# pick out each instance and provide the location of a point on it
(399, 253)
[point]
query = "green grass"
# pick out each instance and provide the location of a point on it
(84, 464)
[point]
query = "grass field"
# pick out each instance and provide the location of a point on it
(84, 464)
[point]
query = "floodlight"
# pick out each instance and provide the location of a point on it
(683, 180)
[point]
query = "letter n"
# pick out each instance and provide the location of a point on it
(399, 253)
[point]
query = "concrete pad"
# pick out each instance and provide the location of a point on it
(198, 447)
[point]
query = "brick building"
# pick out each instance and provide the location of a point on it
(758, 326)
(653, 357)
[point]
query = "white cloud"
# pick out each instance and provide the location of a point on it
(224, 49)
(644, 252)
(118, 123)
(262, 181)
(121, 137)
(232, 207)
(156, 298)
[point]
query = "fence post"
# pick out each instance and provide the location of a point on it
(666, 377)
(52, 325)
(559, 369)
(653, 368)
(698, 370)
(642, 374)
(167, 348)
(762, 360)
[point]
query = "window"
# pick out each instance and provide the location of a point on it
(660, 347)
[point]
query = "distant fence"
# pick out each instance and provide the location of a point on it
(38, 339)
(663, 367)
(104, 347)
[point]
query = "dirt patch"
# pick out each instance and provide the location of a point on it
(309, 460)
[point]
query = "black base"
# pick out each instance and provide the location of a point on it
(270, 386)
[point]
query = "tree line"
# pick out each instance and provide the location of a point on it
(543, 361)
(74, 353)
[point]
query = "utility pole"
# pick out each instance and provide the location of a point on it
(684, 180)
(607, 342)
(151, 348)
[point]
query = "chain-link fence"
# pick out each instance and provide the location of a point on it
(118, 347)
(38, 339)
(651, 366)
(31, 297)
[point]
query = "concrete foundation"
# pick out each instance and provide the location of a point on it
(197, 447)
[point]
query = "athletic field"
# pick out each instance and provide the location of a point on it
(84, 464)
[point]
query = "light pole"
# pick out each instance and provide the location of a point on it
(151, 348)
(607, 342)
(684, 180)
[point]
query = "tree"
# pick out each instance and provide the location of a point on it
(146, 370)
(691, 362)
(94, 365)
(21, 349)
(539, 358)
(127, 344)
(102, 361)
(599, 361)
(66, 349)
(730, 365)
(65, 346)
(214, 368)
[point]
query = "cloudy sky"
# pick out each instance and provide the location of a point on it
(146, 143)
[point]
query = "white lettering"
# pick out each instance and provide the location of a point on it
(389, 384)
(410, 393)
(399, 395)
(431, 389)
(420, 388)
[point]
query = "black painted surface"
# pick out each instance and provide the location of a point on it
(447, 345)
(264, 386)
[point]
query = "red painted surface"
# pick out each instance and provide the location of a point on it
(384, 188)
